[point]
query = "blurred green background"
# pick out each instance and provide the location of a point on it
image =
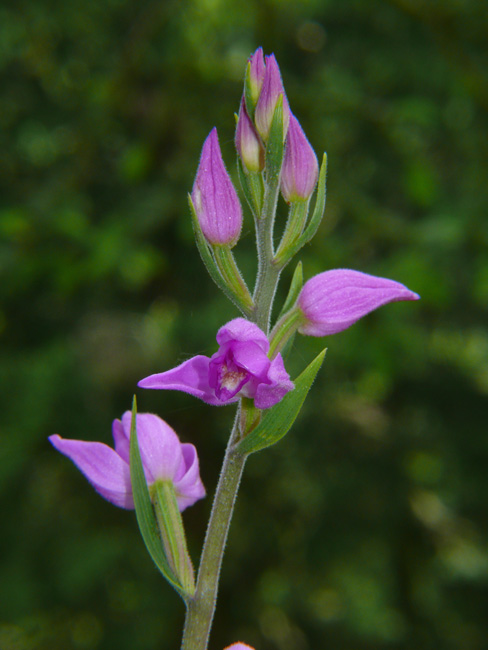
(367, 527)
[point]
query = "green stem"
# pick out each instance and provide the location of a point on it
(268, 271)
(201, 608)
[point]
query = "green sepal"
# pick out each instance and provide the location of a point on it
(145, 515)
(211, 266)
(294, 291)
(278, 420)
(275, 145)
(248, 98)
(314, 222)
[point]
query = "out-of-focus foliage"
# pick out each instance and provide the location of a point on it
(367, 526)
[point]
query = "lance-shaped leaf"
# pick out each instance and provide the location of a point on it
(277, 421)
(146, 517)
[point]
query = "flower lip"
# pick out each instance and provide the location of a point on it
(334, 300)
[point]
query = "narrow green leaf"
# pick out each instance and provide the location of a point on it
(277, 421)
(144, 509)
(275, 146)
(294, 291)
(248, 98)
(319, 208)
(245, 187)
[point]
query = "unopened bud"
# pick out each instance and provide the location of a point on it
(270, 92)
(300, 167)
(256, 74)
(214, 197)
(332, 301)
(248, 142)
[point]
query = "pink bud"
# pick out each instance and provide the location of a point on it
(270, 92)
(332, 301)
(239, 646)
(256, 75)
(248, 143)
(300, 167)
(214, 198)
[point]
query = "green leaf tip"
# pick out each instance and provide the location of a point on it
(278, 420)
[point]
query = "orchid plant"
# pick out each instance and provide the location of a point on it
(149, 469)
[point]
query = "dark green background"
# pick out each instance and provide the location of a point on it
(366, 528)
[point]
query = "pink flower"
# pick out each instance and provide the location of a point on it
(214, 197)
(240, 368)
(300, 167)
(332, 301)
(163, 457)
(239, 646)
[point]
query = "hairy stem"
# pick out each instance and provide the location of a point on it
(201, 608)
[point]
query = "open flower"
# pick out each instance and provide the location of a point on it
(240, 368)
(332, 301)
(163, 457)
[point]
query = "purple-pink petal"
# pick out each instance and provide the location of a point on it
(267, 395)
(189, 377)
(102, 466)
(159, 446)
(189, 487)
(332, 301)
(241, 329)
